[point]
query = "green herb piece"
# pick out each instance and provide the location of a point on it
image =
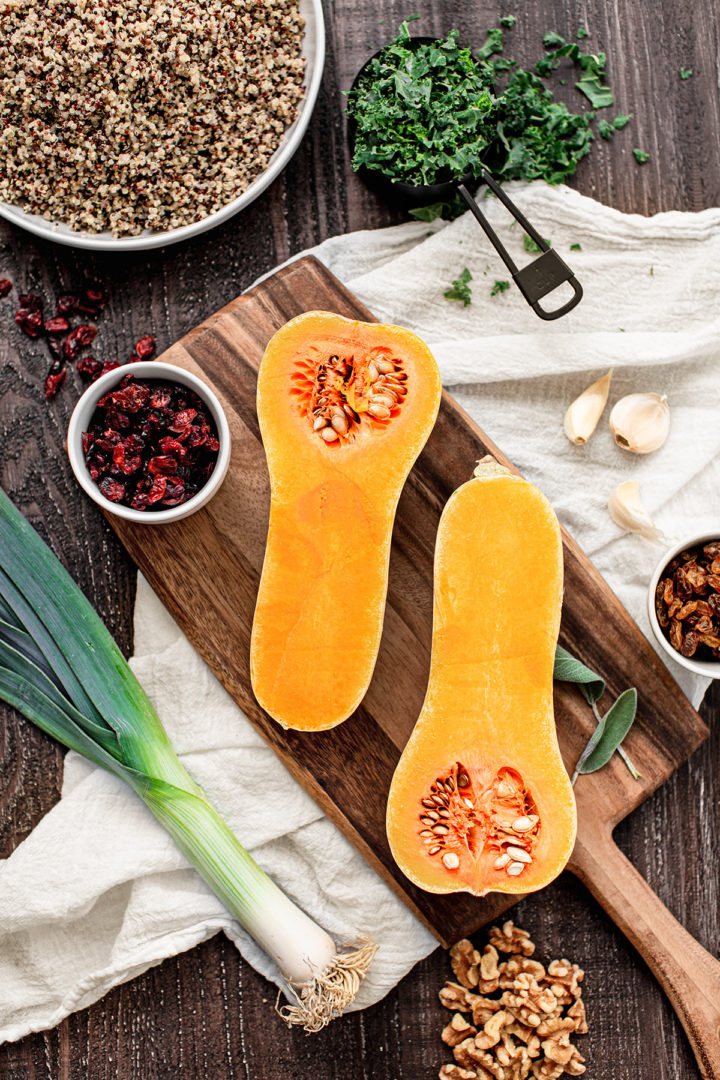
(605, 130)
(493, 44)
(60, 667)
(641, 156)
(447, 210)
(686, 73)
(620, 121)
(582, 33)
(598, 95)
(609, 734)
(530, 245)
(422, 114)
(499, 287)
(508, 20)
(575, 247)
(461, 289)
(568, 669)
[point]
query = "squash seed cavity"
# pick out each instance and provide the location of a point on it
(339, 394)
(457, 819)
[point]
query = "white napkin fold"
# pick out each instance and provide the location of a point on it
(98, 892)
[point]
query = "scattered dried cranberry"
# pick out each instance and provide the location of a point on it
(109, 365)
(82, 336)
(145, 347)
(5, 286)
(30, 301)
(30, 320)
(66, 304)
(58, 325)
(136, 442)
(88, 365)
(96, 296)
(54, 381)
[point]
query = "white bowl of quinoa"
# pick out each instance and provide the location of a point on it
(134, 124)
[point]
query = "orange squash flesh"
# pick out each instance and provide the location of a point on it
(482, 775)
(321, 600)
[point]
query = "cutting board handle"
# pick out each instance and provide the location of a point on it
(688, 974)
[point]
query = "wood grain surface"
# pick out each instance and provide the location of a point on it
(206, 1015)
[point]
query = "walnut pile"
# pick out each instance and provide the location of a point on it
(512, 1018)
(126, 115)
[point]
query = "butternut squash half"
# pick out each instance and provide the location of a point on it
(344, 408)
(480, 801)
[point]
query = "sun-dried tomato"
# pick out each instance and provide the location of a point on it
(54, 381)
(145, 347)
(5, 286)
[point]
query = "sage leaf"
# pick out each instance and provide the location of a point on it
(568, 669)
(591, 744)
(615, 725)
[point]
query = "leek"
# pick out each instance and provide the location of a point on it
(60, 667)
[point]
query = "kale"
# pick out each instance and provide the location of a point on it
(461, 289)
(429, 113)
(686, 73)
(499, 287)
(422, 115)
(530, 245)
(575, 247)
(508, 20)
(641, 156)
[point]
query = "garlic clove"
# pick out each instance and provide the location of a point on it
(640, 422)
(582, 416)
(627, 511)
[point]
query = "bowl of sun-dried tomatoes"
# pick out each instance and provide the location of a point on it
(684, 603)
(149, 442)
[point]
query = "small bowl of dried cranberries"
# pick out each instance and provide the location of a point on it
(149, 442)
(684, 603)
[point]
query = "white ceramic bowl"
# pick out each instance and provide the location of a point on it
(314, 52)
(82, 415)
(709, 668)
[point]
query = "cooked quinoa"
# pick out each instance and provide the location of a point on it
(125, 115)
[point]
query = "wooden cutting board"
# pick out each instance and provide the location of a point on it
(206, 569)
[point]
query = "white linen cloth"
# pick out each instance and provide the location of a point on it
(98, 892)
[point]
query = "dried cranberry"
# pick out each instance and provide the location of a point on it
(132, 398)
(140, 502)
(174, 492)
(30, 301)
(133, 359)
(160, 397)
(163, 463)
(94, 472)
(212, 444)
(66, 304)
(81, 336)
(111, 489)
(145, 347)
(169, 445)
(126, 464)
(87, 441)
(30, 320)
(109, 365)
(58, 325)
(95, 295)
(5, 286)
(88, 365)
(54, 381)
(157, 491)
(183, 420)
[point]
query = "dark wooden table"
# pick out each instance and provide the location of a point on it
(207, 1015)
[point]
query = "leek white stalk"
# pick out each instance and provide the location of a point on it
(61, 668)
